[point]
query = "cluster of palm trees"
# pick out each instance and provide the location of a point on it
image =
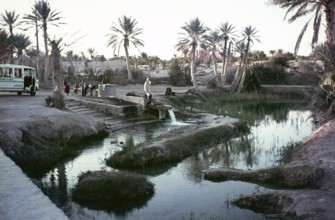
(197, 42)
(40, 17)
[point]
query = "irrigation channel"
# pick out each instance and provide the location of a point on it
(180, 190)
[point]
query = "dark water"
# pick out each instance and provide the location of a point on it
(180, 190)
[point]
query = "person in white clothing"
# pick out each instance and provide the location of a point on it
(147, 89)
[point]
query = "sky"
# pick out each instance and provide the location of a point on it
(88, 23)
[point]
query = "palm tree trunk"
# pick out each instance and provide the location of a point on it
(240, 85)
(40, 76)
(224, 65)
(330, 14)
(57, 78)
(214, 67)
(128, 64)
(46, 58)
(237, 78)
(194, 81)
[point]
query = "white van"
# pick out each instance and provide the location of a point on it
(18, 78)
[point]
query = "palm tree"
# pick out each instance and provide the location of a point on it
(10, 19)
(32, 21)
(302, 8)
(46, 16)
(249, 35)
(3, 46)
(20, 43)
(57, 76)
(124, 33)
(240, 48)
(212, 41)
(228, 36)
(91, 51)
(190, 41)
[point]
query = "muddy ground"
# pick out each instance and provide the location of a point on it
(23, 115)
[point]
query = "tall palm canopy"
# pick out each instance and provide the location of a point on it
(124, 33)
(193, 37)
(10, 19)
(191, 40)
(249, 35)
(228, 33)
(318, 8)
(21, 42)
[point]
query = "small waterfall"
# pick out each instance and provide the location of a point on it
(172, 116)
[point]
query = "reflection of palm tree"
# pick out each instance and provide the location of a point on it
(195, 169)
(190, 41)
(124, 33)
(62, 184)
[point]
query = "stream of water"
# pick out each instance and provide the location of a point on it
(180, 190)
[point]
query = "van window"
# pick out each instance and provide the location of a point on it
(17, 72)
(7, 72)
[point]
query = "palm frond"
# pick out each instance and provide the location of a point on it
(297, 45)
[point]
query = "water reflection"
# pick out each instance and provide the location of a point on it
(180, 190)
(259, 149)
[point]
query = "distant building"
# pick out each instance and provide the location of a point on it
(79, 66)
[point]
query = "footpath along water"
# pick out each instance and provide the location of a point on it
(20, 198)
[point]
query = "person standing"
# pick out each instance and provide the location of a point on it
(83, 88)
(66, 87)
(147, 93)
(147, 89)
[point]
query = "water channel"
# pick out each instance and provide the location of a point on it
(180, 190)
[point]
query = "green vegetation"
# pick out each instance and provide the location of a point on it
(235, 104)
(324, 98)
(177, 147)
(178, 75)
(103, 187)
(286, 153)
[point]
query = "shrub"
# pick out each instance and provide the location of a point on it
(103, 186)
(270, 75)
(177, 75)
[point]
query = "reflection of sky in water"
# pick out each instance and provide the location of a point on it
(267, 139)
(181, 191)
(270, 136)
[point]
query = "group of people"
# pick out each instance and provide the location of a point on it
(85, 87)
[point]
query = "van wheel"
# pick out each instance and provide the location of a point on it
(32, 91)
(19, 93)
